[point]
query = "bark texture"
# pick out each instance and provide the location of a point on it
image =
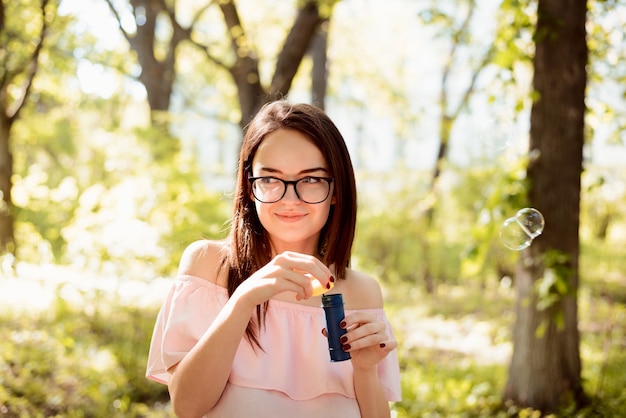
(545, 370)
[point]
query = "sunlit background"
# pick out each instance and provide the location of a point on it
(106, 203)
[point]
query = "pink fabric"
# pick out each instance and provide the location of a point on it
(295, 360)
(237, 401)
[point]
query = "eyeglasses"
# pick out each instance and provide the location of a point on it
(310, 190)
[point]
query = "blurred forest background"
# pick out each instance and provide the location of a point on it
(120, 122)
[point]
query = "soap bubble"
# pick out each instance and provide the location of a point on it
(531, 221)
(519, 231)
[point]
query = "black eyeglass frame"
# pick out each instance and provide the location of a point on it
(286, 183)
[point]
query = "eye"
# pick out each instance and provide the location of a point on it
(311, 180)
(268, 180)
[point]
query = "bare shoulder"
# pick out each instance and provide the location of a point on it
(362, 291)
(204, 259)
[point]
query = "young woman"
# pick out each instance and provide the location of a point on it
(241, 334)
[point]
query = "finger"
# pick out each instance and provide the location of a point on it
(286, 280)
(298, 282)
(374, 340)
(357, 319)
(319, 288)
(368, 334)
(324, 333)
(305, 263)
(311, 285)
(388, 346)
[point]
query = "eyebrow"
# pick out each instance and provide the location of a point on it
(306, 171)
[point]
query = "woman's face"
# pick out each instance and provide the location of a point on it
(291, 223)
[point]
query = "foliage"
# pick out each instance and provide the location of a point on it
(607, 70)
(391, 228)
(439, 379)
(78, 362)
(464, 240)
(111, 204)
(489, 194)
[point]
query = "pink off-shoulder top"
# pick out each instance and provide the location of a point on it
(292, 376)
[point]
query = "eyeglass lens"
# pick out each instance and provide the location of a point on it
(308, 189)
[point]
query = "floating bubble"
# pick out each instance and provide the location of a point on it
(519, 231)
(531, 221)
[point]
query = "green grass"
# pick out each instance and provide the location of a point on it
(75, 362)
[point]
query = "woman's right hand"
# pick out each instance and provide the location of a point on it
(287, 272)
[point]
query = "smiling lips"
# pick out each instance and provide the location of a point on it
(290, 216)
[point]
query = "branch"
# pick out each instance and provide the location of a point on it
(199, 13)
(14, 110)
(295, 46)
(455, 43)
(2, 18)
(181, 33)
(205, 50)
(119, 21)
(470, 89)
(246, 65)
(233, 23)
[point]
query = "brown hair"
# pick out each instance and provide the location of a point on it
(249, 248)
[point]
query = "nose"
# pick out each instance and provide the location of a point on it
(290, 194)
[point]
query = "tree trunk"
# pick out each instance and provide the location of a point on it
(7, 242)
(545, 370)
(158, 74)
(251, 94)
(10, 109)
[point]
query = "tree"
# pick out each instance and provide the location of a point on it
(545, 369)
(458, 29)
(240, 59)
(19, 62)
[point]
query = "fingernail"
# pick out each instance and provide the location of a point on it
(332, 279)
(343, 339)
(382, 345)
(327, 285)
(345, 347)
(342, 324)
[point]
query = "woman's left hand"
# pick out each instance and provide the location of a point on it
(366, 340)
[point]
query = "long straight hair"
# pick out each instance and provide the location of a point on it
(250, 248)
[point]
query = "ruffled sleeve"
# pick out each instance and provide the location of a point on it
(189, 309)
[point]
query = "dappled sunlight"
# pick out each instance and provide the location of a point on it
(467, 336)
(34, 288)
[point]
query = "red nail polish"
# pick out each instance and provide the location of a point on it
(342, 324)
(345, 347)
(382, 345)
(327, 285)
(343, 339)
(332, 279)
